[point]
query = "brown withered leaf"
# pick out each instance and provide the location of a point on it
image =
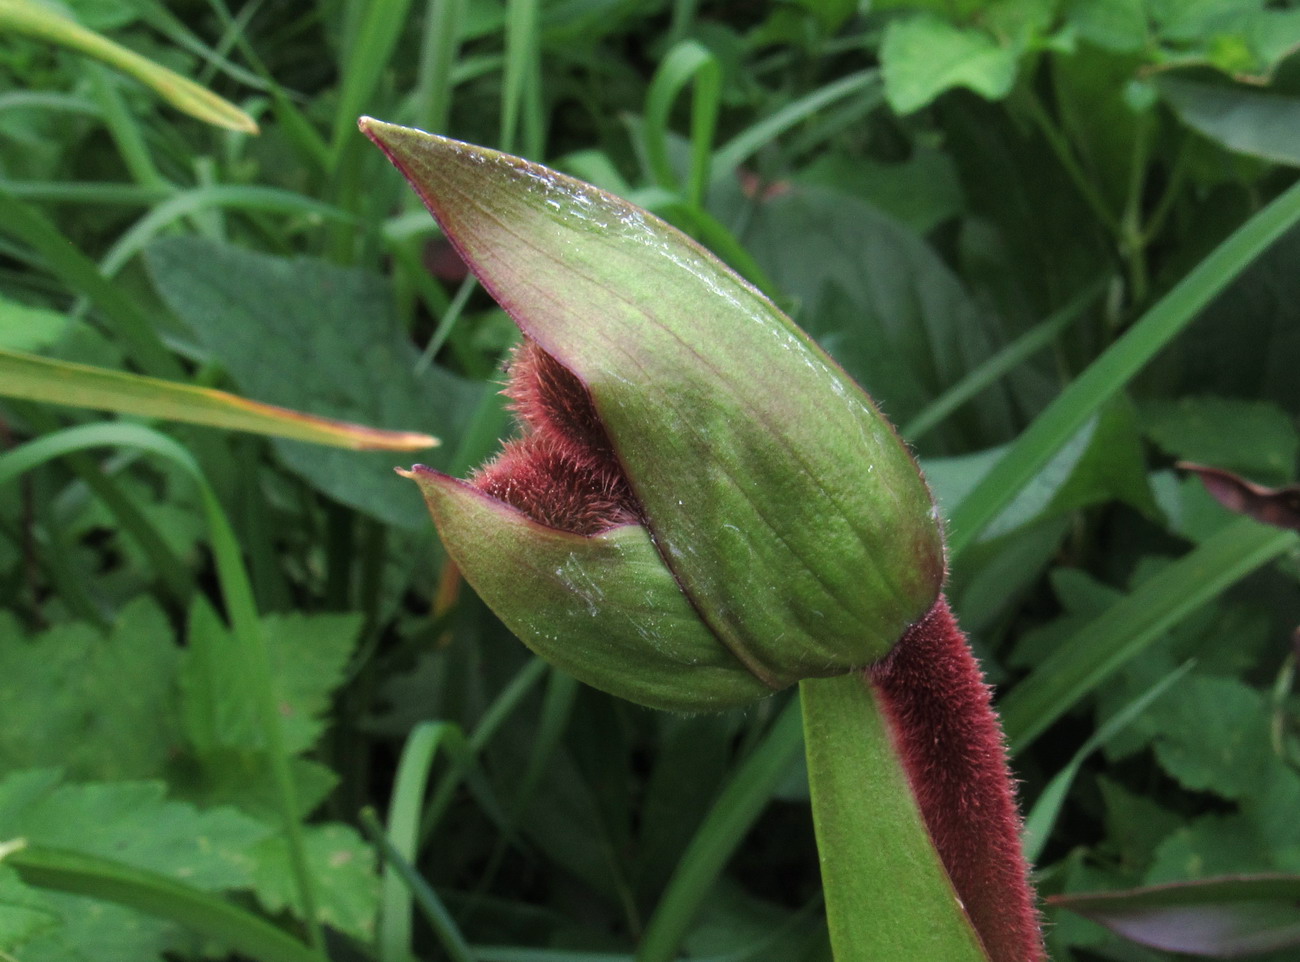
(1279, 507)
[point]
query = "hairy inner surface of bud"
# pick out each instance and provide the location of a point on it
(561, 471)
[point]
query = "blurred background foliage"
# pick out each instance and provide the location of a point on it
(221, 654)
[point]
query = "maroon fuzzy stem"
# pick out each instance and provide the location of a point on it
(948, 735)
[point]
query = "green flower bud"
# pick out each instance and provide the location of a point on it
(703, 507)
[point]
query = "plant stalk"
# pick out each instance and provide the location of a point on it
(914, 808)
(888, 898)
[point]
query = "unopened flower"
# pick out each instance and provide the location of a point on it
(702, 507)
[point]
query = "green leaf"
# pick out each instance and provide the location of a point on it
(1103, 461)
(78, 385)
(1222, 918)
(920, 192)
(922, 57)
(96, 930)
(36, 20)
(1210, 845)
(1252, 438)
(308, 655)
(1119, 26)
(24, 911)
(25, 328)
(134, 823)
(1106, 375)
(879, 299)
(101, 707)
(1215, 736)
(1134, 622)
(866, 814)
(1244, 120)
(308, 335)
(342, 867)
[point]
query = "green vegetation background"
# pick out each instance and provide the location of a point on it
(967, 203)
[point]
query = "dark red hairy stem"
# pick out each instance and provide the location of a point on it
(561, 471)
(951, 743)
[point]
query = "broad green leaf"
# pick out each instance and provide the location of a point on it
(1208, 845)
(920, 192)
(101, 707)
(133, 823)
(342, 866)
(1253, 438)
(921, 57)
(308, 654)
(37, 20)
(26, 328)
(1090, 87)
(1119, 26)
(1215, 736)
(312, 336)
(77, 385)
(24, 911)
(1245, 120)
(879, 299)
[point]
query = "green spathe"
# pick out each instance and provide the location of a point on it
(602, 607)
(783, 504)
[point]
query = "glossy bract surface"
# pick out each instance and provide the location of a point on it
(782, 507)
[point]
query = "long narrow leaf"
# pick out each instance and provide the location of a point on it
(1215, 917)
(1106, 375)
(82, 275)
(158, 895)
(1087, 659)
(688, 62)
(737, 808)
(237, 593)
(35, 20)
(35, 378)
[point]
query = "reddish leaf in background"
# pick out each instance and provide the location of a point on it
(1227, 918)
(1279, 507)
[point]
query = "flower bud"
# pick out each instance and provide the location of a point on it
(702, 506)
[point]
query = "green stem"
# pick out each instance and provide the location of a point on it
(887, 894)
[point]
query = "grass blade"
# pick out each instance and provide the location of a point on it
(178, 205)
(394, 938)
(1101, 648)
(1000, 364)
(25, 17)
(1105, 376)
(157, 895)
(35, 378)
(82, 275)
(237, 592)
(688, 62)
(732, 815)
(367, 56)
(747, 143)
(521, 84)
(1041, 818)
(444, 926)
